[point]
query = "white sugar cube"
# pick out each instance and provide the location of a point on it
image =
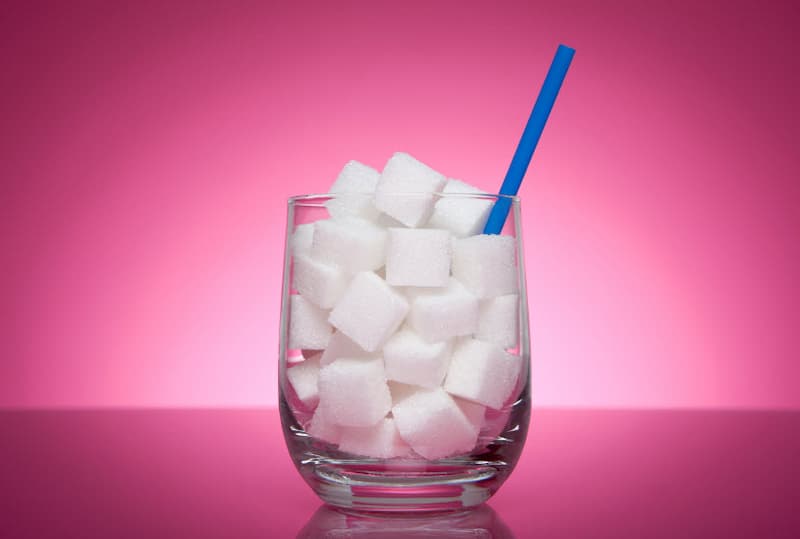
(323, 428)
(405, 189)
(351, 243)
(308, 324)
(434, 424)
(387, 221)
(369, 311)
(482, 372)
(354, 191)
(473, 411)
(498, 321)
(320, 283)
(303, 377)
(353, 392)
(439, 314)
(485, 264)
(418, 257)
(495, 422)
(340, 345)
(463, 216)
(400, 391)
(300, 240)
(411, 360)
(378, 441)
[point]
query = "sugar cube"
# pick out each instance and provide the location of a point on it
(498, 320)
(354, 191)
(405, 189)
(340, 345)
(418, 257)
(300, 240)
(482, 372)
(369, 311)
(412, 360)
(473, 411)
(495, 423)
(378, 441)
(387, 221)
(400, 391)
(351, 243)
(463, 216)
(439, 314)
(353, 392)
(308, 324)
(323, 428)
(296, 356)
(321, 284)
(310, 354)
(303, 377)
(485, 264)
(434, 425)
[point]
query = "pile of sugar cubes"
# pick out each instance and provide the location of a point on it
(404, 313)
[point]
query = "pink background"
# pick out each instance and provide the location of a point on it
(147, 151)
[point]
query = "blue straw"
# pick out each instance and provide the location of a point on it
(530, 137)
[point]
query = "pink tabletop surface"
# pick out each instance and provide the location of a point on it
(226, 473)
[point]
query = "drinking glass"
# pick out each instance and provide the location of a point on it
(406, 482)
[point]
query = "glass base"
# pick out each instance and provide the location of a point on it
(402, 485)
(362, 484)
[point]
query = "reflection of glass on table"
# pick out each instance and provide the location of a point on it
(480, 522)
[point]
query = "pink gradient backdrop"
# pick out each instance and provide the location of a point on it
(148, 149)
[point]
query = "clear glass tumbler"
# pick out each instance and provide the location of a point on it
(404, 362)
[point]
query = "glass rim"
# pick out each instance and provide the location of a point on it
(484, 196)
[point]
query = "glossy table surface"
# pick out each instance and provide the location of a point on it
(226, 473)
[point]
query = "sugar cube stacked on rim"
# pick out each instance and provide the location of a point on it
(414, 315)
(416, 181)
(354, 186)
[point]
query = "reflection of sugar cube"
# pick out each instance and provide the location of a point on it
(351, 243)
(435, 425)
(463, 216)
(303, 377)
(353, 392)
(439, 314)
(498, 320)
(369, 311)
(308, 324)
(405, 189)
(378, 441)
(411, 360)
(482, 372)
(322, 284)
(486, 265)
(418, 257)
(354, 189)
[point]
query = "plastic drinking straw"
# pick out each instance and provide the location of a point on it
(530, 137)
